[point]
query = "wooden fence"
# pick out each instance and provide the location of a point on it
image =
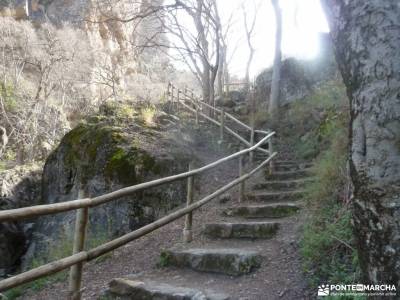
(186, 98)
(79, 256)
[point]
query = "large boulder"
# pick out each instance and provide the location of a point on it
(300, 77)
(19, 187)
(122, 146)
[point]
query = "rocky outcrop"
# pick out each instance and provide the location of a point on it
(19, 187)
(118, 63)
(121, 146)
(300, 77)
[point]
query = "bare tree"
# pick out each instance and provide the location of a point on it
(223, 71)
(273, 107)
(366, 39)
(202, 48)
(249, 30)
(198, 44)
(38, 67)
(107, 76)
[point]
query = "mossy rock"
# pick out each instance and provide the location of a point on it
(108, 152)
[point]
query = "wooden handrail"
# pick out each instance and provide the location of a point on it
(238, 121)
(194, 101)
(47, 209)
(76, 260)
(229, 130)
(83, 256)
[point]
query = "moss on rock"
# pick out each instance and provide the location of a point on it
(111, 151)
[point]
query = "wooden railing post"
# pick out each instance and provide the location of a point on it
(75, 274)
(172, 96)
(178, 99)
(185, 97)
(169, 100)
(187, 231)
(252, 142)
(197, 109)
(222, 125)
(271, 150)
(242, 184)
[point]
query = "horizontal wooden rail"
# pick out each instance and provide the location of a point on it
(217, 123)
(47, 209)
(262, 131)
(83, 256)
(76, 260)
(229, 130)
(238, 121)
(231, 117)
(196, 101)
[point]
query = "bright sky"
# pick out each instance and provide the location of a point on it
(302, 21)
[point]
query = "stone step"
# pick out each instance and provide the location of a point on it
(288, 175)
(274, 210)
(121, 288)
(292, 167)
(282, 184)
(262, 196)
(225, 261)
(250, 230)
(291, 162)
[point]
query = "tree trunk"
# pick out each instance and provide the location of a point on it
(205, 83)
(276, 73)
(247, 76)
(226, 75)
(366, 35)
(220, 75)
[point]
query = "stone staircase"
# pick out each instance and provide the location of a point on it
(229, 248)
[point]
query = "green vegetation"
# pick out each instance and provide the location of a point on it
(118, 110)
(310, 125)
(327, 246)
(148, 115)
(57, 250)
(10, 99)
(165, 259)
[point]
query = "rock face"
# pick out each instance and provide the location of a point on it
(114, 61)
(299, 78)
(111, 151)
(20, 186)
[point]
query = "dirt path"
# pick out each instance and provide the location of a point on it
(279, 277)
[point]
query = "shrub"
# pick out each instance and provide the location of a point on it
(148, 114)
(308, 126)
(327, 246)
(57, 250)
